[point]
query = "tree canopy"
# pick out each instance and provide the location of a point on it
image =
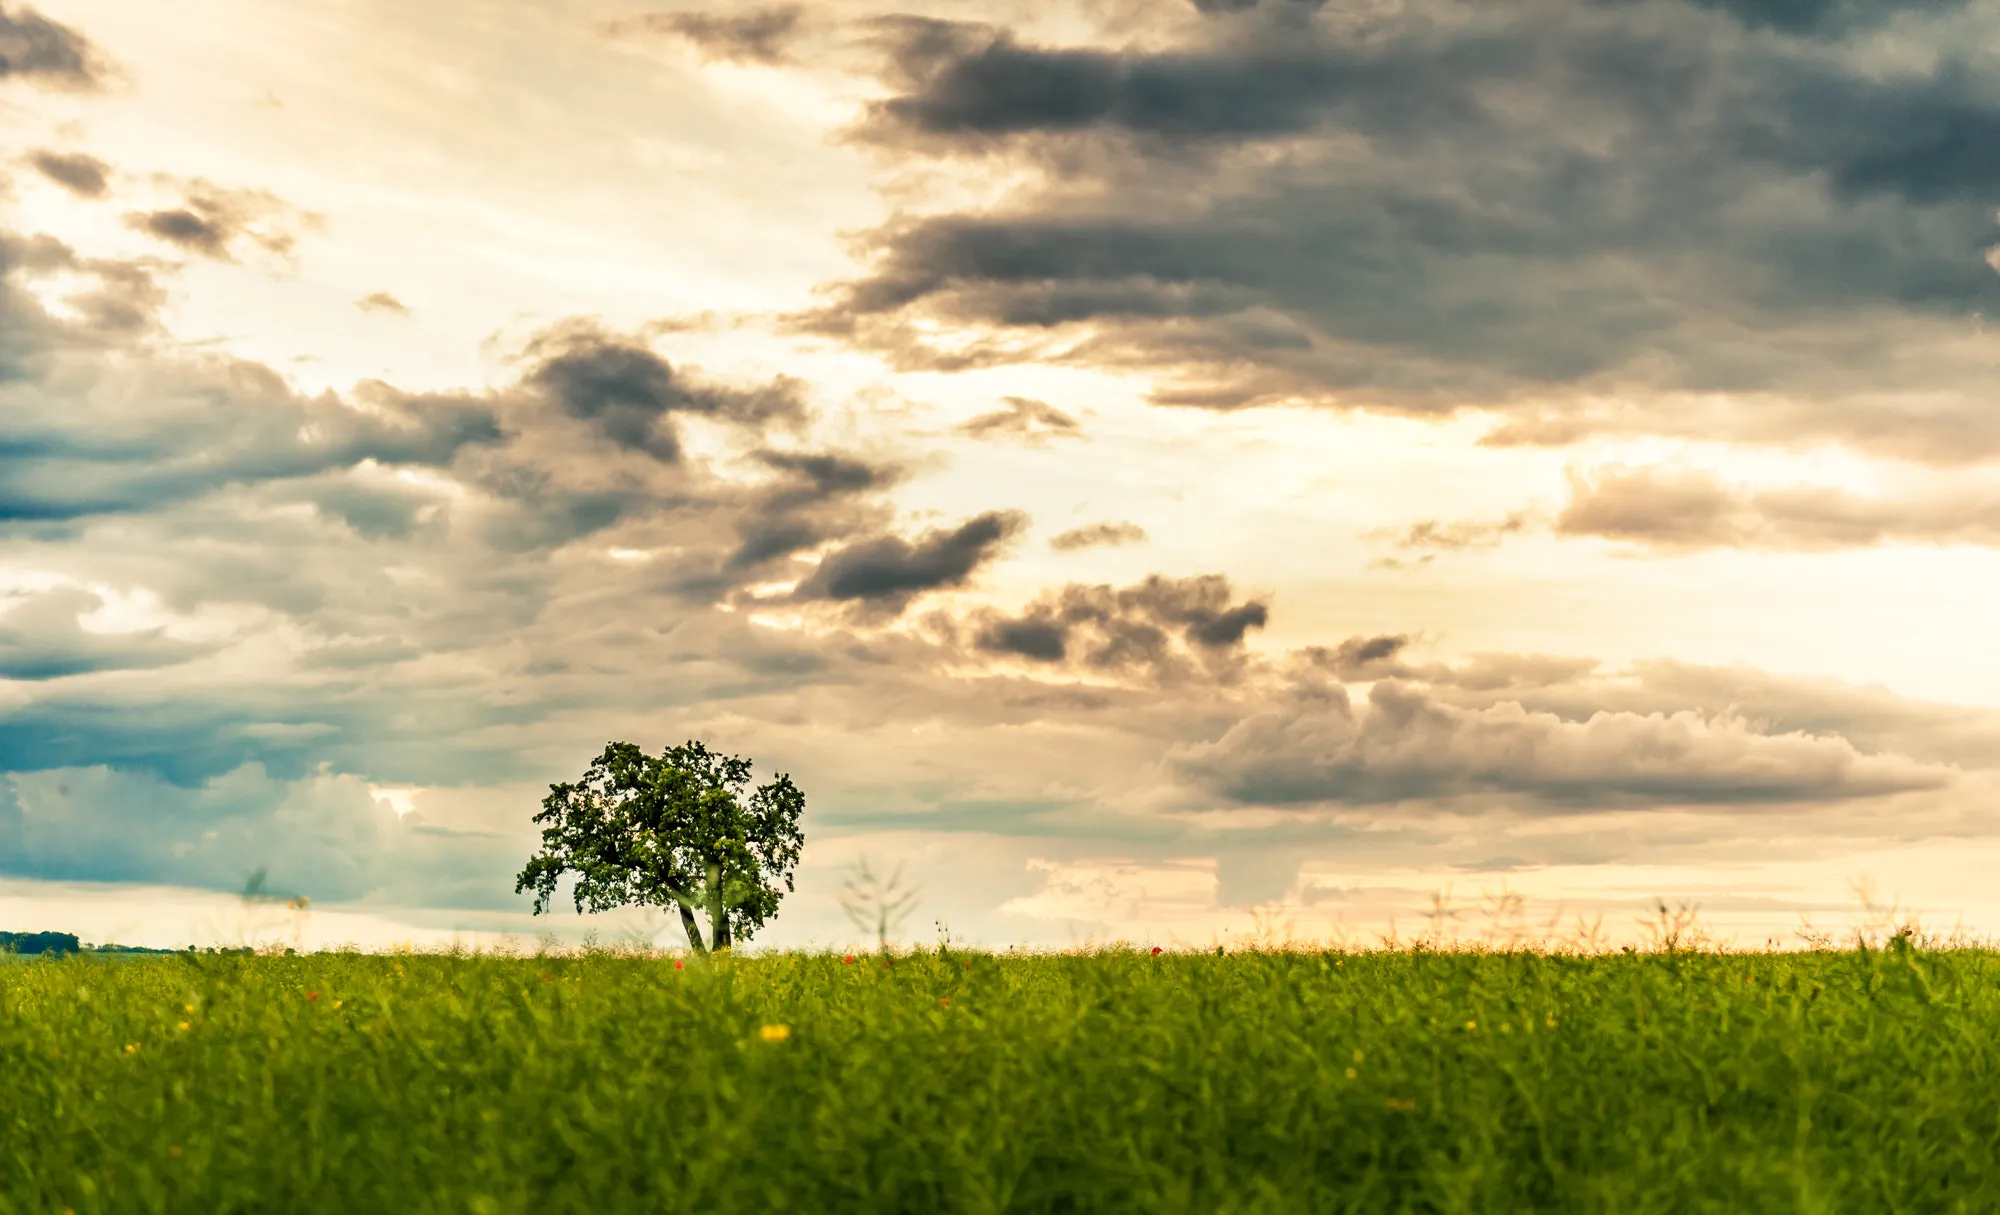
(676, 829)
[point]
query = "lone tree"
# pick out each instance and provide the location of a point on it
(672, 830)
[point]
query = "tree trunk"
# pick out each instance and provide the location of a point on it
(718, 910)
(693, 928)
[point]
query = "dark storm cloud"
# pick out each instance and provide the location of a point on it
(1443, 205)
(1098, 535)
(889, 571)
(41, 638)
(1690, 510)
(180, 226)
(629, 393)
(1823, 17)
(759, 36)
(1357, 655)
(81, 174)
(34, 47)
(820, 496)
(1024, 418)
(1162, 628)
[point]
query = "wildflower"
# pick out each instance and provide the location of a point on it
(312, 995)
(338, 1003)
(1157, 951)
(849, 959)
(1552, 1020)
(1472, 1025)
(174, 1151)
(189, 1007)
(184, 1025)
(547, 977)
(945, 1003)
(131, 1048)
(1402, 1103)
(775, 1033)
(1351, 1073)
(679, 965)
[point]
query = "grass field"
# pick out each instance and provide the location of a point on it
(1864, 1080)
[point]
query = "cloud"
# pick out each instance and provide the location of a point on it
(34, 47)
(1023, 418)
(212, 219)
(819, 496)
(1455, 536)
(1245, 879)
(210, 423)
(324, 836)
(1409, 745)
(42, 638)
(1096, 535)
(887, 572)
(382, 301)
(761, 36)
(1686, 510)
(80, 173)
(1824, 17)
(629, 394)
(1611, 217)
(1164, 629)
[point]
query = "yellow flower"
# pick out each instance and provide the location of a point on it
(1472, 1025)
(188, 1007)
(1351, 1073)
(131, 1048)
(775, 1033)
(184, 1025)
(1357, 1054)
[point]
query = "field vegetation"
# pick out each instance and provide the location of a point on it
(1412, 1079)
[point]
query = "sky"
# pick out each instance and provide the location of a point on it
(1149, 471)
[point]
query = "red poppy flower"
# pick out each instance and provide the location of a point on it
(849, 958)
(680, 966)
(1156, 951)
(547, 977)
(312, 995)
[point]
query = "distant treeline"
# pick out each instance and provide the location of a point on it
(66, 942)
(38, 942)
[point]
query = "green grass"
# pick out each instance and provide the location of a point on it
(1827, 1081)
